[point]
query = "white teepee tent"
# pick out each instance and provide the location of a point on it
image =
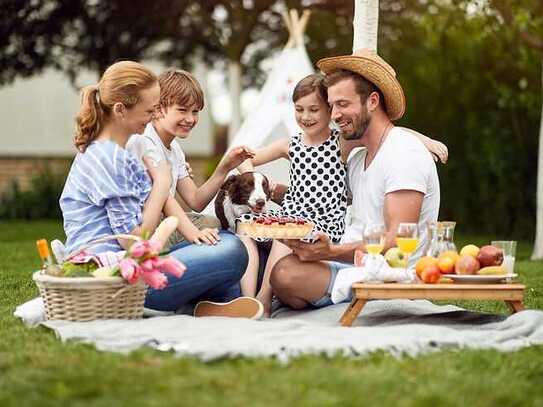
(274, 116)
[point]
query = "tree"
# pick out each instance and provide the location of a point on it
(525, 17)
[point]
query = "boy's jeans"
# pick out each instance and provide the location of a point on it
(213, 273)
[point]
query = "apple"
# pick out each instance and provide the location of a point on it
(467, 265)
(395, 258)
(490, 256)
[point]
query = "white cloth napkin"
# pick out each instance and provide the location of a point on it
(374, 269)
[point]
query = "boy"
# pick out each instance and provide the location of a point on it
(181, 100)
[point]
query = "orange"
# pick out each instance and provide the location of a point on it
(430, 275)
(424, 262)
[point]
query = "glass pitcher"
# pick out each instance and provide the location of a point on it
(440, 238)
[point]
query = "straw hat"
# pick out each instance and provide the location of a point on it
(371, 66)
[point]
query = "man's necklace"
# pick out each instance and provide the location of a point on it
(381, 140)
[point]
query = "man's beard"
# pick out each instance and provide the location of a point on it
(360, 125)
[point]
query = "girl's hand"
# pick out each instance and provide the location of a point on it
(208, 236)
(438, 149)
(235, 157)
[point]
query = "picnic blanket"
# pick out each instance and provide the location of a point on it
(396, 326)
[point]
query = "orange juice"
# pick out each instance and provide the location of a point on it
(407, 244)
(374, 248)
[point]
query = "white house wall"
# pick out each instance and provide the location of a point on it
(37, 116)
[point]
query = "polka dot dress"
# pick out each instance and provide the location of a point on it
(318, 190)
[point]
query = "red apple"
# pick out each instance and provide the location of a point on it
(467, 265)
(490, 256)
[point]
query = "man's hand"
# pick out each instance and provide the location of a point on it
(234, 158)
(321, 249)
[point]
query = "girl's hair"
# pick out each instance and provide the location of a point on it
(308, 85)
(120, 83)
(180, 87)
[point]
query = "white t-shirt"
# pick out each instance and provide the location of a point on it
(402, 163)
(149, 144)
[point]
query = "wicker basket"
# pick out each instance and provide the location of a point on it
(90, 298)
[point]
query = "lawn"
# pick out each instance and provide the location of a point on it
(37, 370)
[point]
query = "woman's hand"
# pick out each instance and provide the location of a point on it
(208, 236)
(234, 158)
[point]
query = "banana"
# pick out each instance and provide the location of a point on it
(492, 271)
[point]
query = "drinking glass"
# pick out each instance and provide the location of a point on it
(407, 238)
(509, 248)
(373, 238)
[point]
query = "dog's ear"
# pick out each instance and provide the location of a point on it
(266, 186)
(229, 181)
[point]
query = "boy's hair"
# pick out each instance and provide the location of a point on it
(308, 85)
(180, 87)
(363, 87)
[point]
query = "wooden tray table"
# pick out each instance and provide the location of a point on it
(511, 293)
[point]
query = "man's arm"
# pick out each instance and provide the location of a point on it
(323, 249)
(400, 206)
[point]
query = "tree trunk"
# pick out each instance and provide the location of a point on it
(538, 245)
(234, 84)
(365, 24)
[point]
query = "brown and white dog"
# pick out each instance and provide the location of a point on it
(244, 193)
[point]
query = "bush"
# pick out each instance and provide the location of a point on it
(40, 201)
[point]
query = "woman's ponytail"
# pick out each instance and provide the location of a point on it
(89, 119)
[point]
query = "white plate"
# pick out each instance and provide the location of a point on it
(476, 278)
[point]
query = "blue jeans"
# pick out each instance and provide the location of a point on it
(213, 273)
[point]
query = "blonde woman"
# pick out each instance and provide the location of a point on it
(109, 192)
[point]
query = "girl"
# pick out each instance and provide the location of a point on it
(317, 190)
(109, 192)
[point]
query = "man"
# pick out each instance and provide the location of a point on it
(393, 180)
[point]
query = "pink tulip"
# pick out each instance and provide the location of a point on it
(138, 249)
(153, 247)
(155, 279)
(171, 266)
(130, 270)
(150, 265)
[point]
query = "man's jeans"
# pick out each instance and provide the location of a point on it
(213, 273)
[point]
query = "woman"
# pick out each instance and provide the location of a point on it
(109, 192)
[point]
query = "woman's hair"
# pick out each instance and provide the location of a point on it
(120, 83)
(308, 85)
(180, 87)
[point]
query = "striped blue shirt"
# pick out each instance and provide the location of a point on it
(104, 195)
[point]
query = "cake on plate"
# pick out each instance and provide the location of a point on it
(274, 227)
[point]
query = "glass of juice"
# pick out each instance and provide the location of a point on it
(374, 238)
(407, 238)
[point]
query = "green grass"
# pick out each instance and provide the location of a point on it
(38, 370)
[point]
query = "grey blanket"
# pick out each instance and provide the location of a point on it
(398, 326)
